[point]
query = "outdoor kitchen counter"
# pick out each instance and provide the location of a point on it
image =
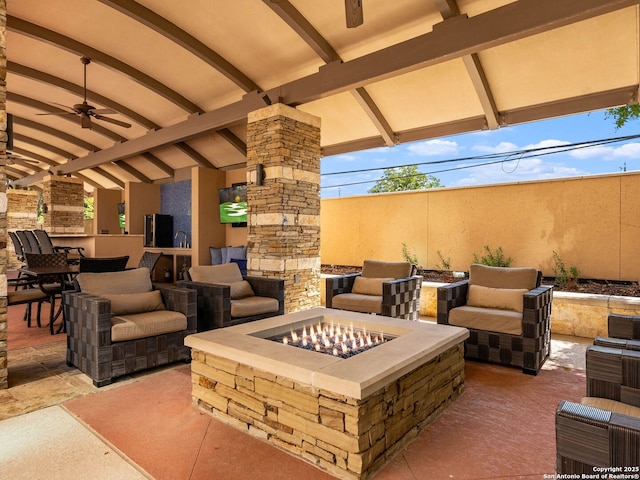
(106, 245)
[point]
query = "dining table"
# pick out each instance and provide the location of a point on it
(53, 280)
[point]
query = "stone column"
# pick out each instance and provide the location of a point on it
(22, 214)
(4, 370)
(64, 201)
(283, 238)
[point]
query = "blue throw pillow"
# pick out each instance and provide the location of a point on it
(233, 252)
(242, 264)
(216, 255)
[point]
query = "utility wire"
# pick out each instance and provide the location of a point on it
(500, 158)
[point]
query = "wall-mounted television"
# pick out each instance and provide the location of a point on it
(233, 204)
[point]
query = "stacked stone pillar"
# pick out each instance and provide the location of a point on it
(283, 237)
(4, 370)
(64, 204)
(22, 214)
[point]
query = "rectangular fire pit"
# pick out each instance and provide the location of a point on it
(348, 416)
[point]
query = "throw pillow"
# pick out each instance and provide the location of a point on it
(369, 285)
(137, 280)
(240, 290)
(233, 252)
(242, 265)
(132, 303)
(216, 255)
(500, 298)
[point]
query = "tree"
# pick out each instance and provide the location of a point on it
(621, 115)
(399, 179)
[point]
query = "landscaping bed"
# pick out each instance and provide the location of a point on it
(591, 286)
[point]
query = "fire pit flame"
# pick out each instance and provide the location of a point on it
(333, 339)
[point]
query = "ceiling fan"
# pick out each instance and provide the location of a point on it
(85, 111)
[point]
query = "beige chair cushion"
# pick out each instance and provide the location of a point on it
(376, 269)
(501, 298)
(489, 319)
(226, 273)
(150, 324)
(240, 290)
(369, 286)
(136, 280)
(132, 303)
(502, 277)
(249, 306)
(356, 302)
(611, 406)
(24, 296)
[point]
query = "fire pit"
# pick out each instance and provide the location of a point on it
(333, 339)
(348, 416)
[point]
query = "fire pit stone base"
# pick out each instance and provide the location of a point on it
(349, 438)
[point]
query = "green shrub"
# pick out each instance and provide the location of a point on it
(493, 259)
(563, 275)
(444, 264)
(408, 256)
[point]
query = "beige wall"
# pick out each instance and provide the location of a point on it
(106, 210)
(206, 230)
(140, 199)
(592, 222)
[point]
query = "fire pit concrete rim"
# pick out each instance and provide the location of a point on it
(357, 376)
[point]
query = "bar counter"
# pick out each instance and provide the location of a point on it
(105, 245)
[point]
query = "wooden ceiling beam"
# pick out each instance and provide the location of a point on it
(194, 155)
(71, 87)
(171, 31)
(88, 146)
(45, 107)
(156, 162)
(449, 9)
(451, 39)
(298, 23)
(56, 39)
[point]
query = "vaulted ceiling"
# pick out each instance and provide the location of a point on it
(185, 74)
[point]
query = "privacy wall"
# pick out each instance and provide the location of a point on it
(593, 223)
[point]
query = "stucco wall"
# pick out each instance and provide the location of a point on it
(592, 222)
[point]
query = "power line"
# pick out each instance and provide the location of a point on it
(499, 158)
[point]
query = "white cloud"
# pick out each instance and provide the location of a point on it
(516, 171)
(347, 158)
(592, 152)
(434, 147)
(502, 147)
(628, 150)
(549, 143)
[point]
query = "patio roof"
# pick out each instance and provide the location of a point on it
(185, 74)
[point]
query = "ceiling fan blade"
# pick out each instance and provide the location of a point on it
(85, 121)
(57, 113)
(103, 111)
(353, 10)
(112, 120)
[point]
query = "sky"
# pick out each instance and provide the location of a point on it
(553, 157)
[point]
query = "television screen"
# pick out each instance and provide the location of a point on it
(233, 204)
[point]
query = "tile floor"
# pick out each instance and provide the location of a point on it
(56, 424)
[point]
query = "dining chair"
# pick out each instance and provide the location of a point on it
(102, 265)
(29, 242)
(149, 260)
(47, 246)
(51, 284)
